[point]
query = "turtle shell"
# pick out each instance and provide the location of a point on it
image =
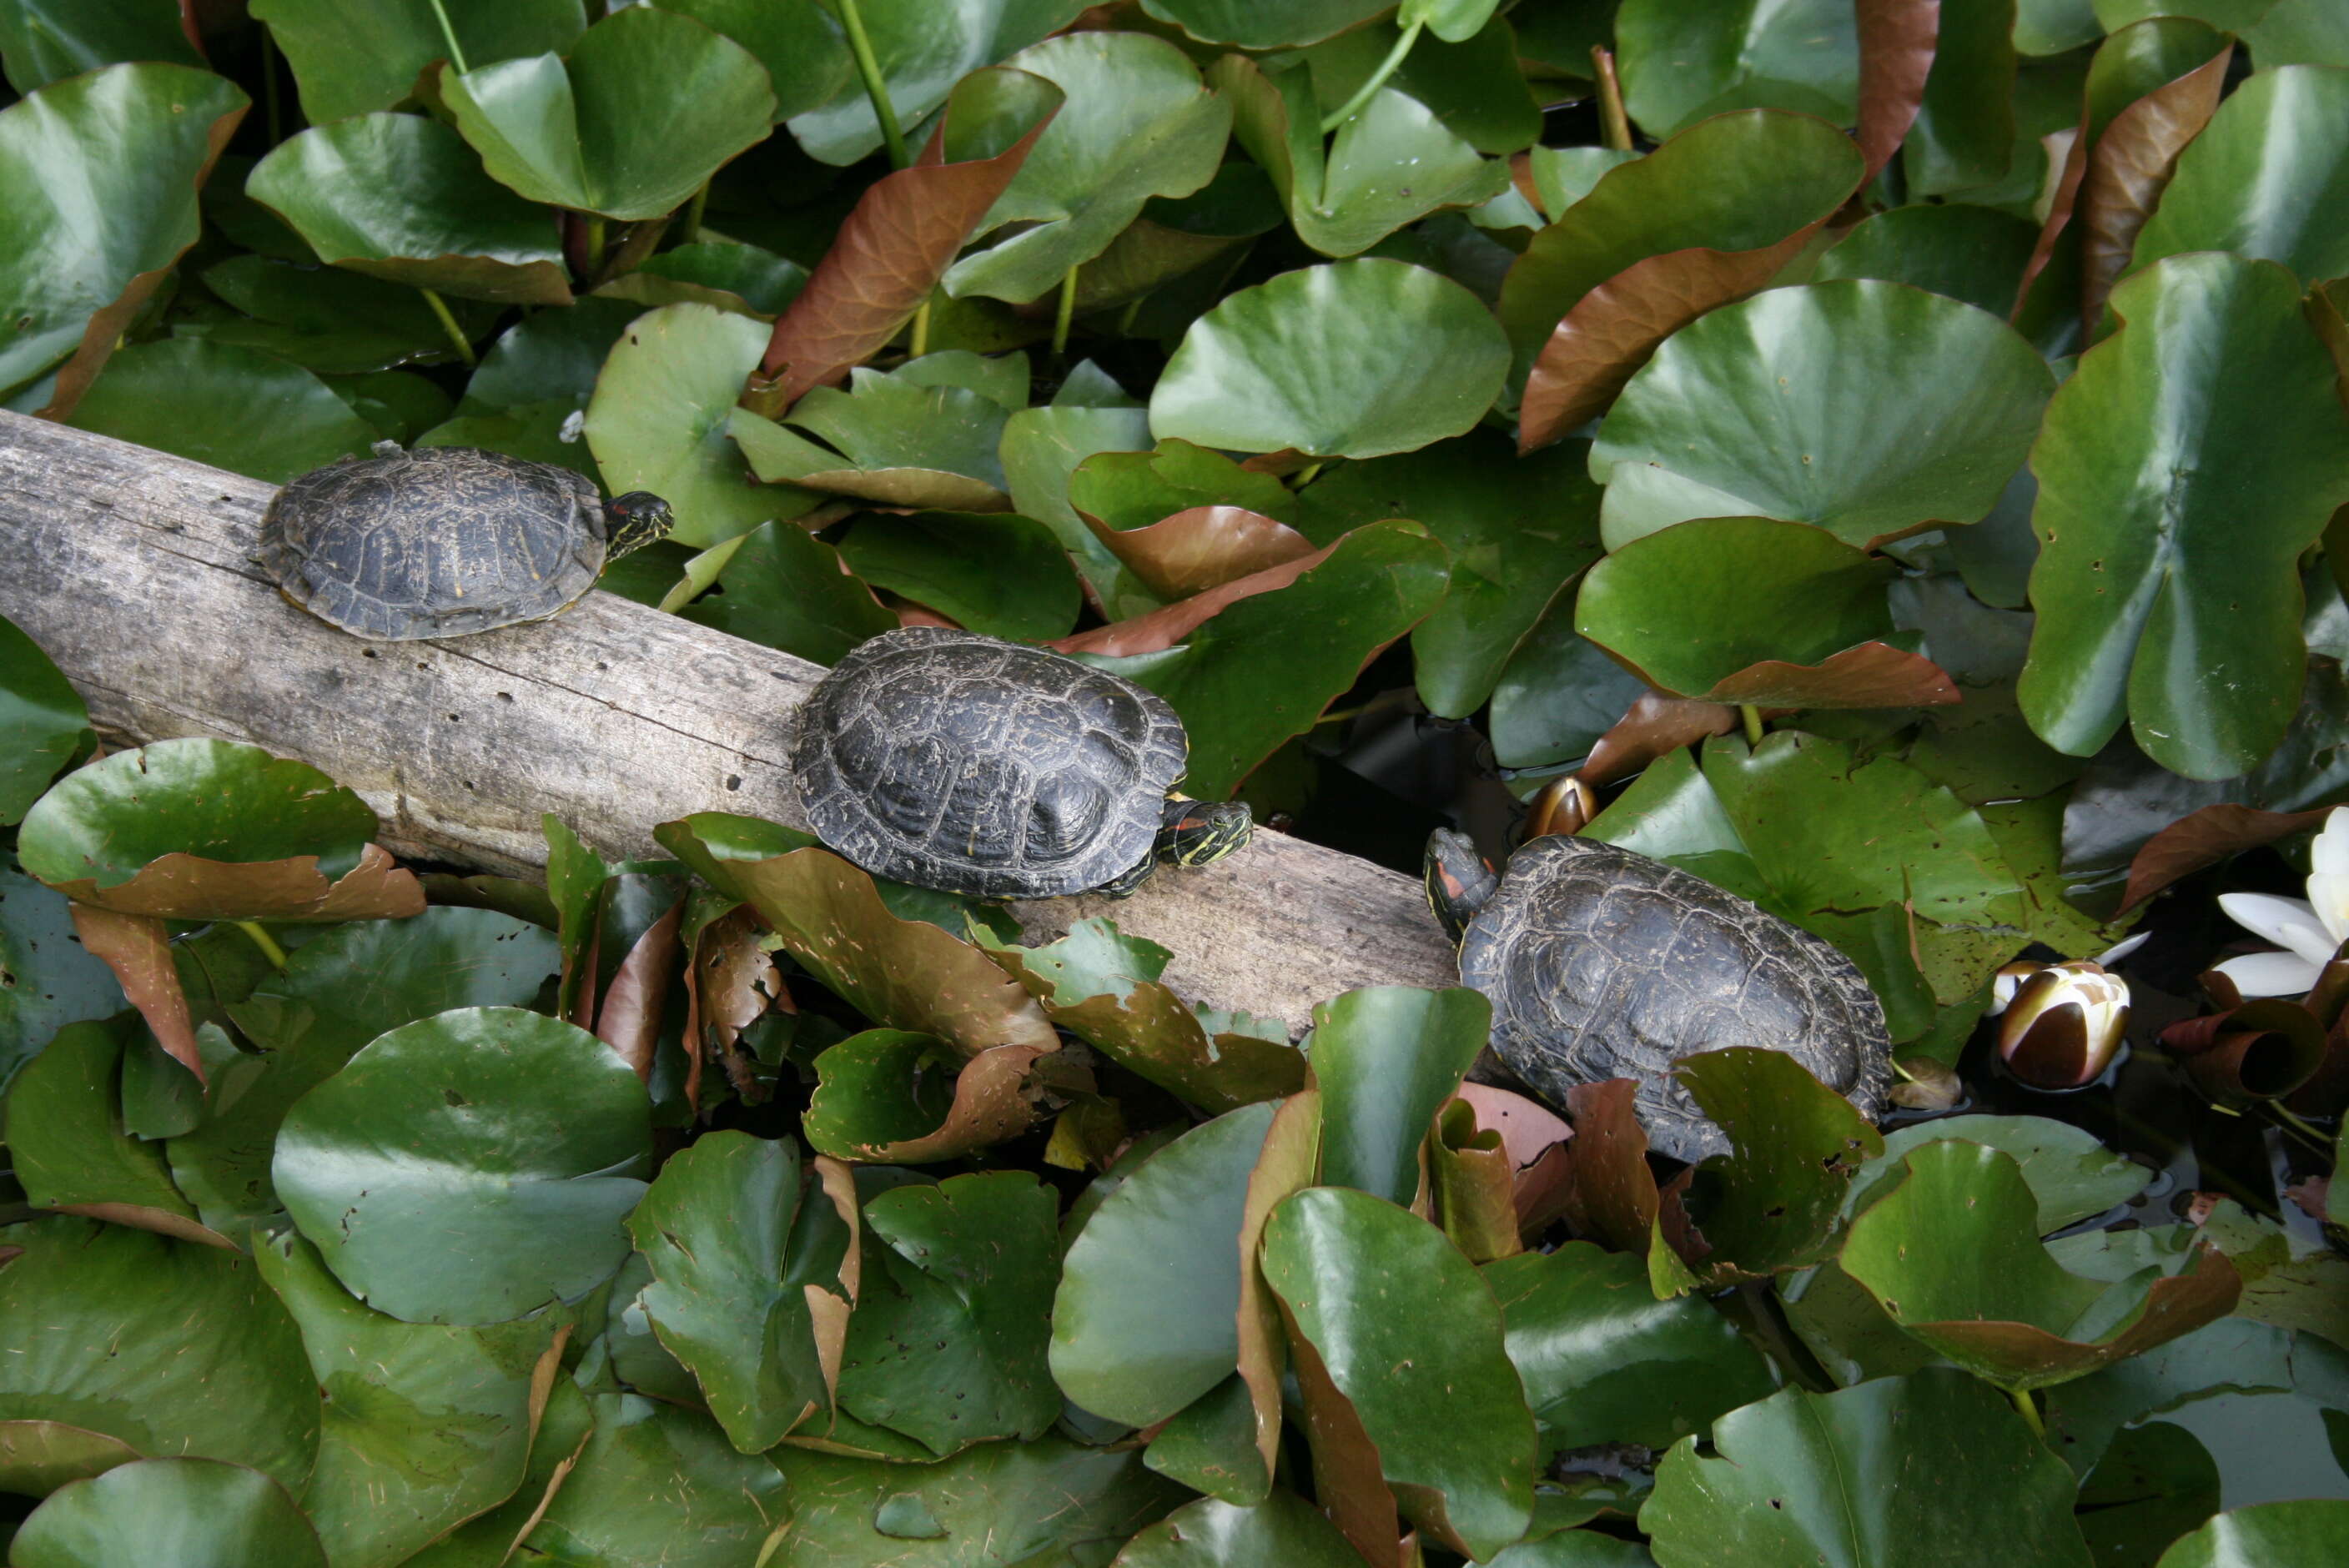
(1604, 964)
(434, 543)
(957, 761)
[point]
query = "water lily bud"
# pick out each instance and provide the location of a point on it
(2064, 1025)
(1565, 805)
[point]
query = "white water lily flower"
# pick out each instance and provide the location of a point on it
(2310, 930)
(2064, 1025)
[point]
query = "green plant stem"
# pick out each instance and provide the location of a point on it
(919, 344)
(1068, 313)
(449, 323)
(1126, 318)
(448, 36)
(2292, 1123)
(1377, 79)
(692, 230)
(1614, 125)
(1752, 717)
(860, 44)
(1305, 476)
(269, 87)
(263, 940)
(2028, 1409)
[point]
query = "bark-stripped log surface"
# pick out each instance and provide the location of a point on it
(136, 571)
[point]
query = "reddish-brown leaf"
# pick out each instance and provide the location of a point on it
(1162, 629)
(1347, 1477)
(1653, 725)
(2204, 837)
(1897, 40)
(629, 1020)
(1474, 1181)
(1872, 674)
(890, 254)
(729, 984)
(2261, 1049)
(1289, 1161)
(162, 1222)
(138, 949)
(991, 1103)
(1612, 1197)
(1201, 548)
(2130, 166)
(187, 887)
(2175, 1306)
(836, 1183)
(1612, 330)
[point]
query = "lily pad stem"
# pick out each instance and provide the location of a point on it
(2028, 1409)
(594, 244)
(1068, 313)
(1377, 79)
(448, 36)
(2292, 1123)
(860, 44)
(263, 940)
(1614, 125)
(692, 230)
(1305, 476)
(919, 344)
(1752, 717)
(449, 323)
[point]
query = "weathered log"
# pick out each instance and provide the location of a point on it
(135, 570)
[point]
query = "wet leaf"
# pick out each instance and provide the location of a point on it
(1213, 1533)
(2012, 1314)
(1146, 1317)
(47, 40)
(425, 1425)
(658, 422)
(2275, 153)
(219, 403)
(1755, 410)
(1964, 133)
(402, 198)
(1972, 253)
(2130, 169)
(1386, 1058)
(2132, 565)
(2269, 1533)
(99, 173)
(892, 440)
(655, 1481)
(1287, 1164)
(1412, 1339)
(69, 1145)
(948, 1342)
(1102, 985)
(47, 980)
(890, 1095)
(1683, 59)
(1889, 1473)
(1302, 362)
(169, 1348)
(469, 1168)
(169, 1510)
(2071, 1175)
(997, 574)
(994, 1506)
(906, 231)
(1605, 1362)
(1204, 548)
(786, 589)
(43, 723)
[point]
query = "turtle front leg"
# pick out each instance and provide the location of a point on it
(1128, 884)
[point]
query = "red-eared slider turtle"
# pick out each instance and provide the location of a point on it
(444, 541)
(980, 767)
(1603, 963)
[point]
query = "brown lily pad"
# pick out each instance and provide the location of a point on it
(1870, 675)
(1201, 547)
(189, 887)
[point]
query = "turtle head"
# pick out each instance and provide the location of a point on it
(1197, 832)
(634, 521)
(1459, 881)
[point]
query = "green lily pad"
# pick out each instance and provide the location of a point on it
(1308, 360)
(2147, 546)
(894, 439)
(763, 281)
(656, 1483)
(234, 408)
(535, 1130)
(2299, 33)
(2012, 1313)
(1474, 83)
(1776, 1201)
(1756, 410)
(1146, 1319)
(1517, 530)
(38, 1457)
(713, 843)
(1692, 607)
(1263, 668)
(350, 59)
(1411, 1338)
(402, 198)
(2275, 154)
(327, 319)
(1210, 1445)
(1387, 1058)
(571, 130)
(995, 572)
(1252, 24)
(2299, 1535)
(1605, 1362)
(785, 589)
(425, 1425)
(904, 1098)
(1972, 253)
(42, 41)
(101, 1327)
(99, 174)
(1392, 163)
(169, 1510)
(2156, 1483)
(1681, 60)
(2072, 1175)
(991, 1507)
(1802, 1475)
(43, 724)
(47, 980)
(949, 1339)
(717, 1226)
(657, 421)
(66, 1136)
(1559, 692)
(1213, 1533)
(1129, 490)
(1138, 124)
(1042, 448)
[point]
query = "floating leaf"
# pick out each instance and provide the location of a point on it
(43, 723)
(1963, 136)
(2071, 1175)
(1251, 24)
(655, 1481)
(1683, 59)
(70, 1150)
(2276, 152)
(233, 407)
(47, 40)
(786, 589)
(1411, 1338)
(1213, 1533)
(99, 174)
(326, 319)
(1803, 1475)
(38, 1457)
(1302, 362)
(887, 1095)
(469, 1168)
(1972, 254)
(353, 58)
(169, 1510)
(2156, 1483)
(1756, 410)
(47, 980)
(2269, 1535)
(2145, 546)
(402, 198)
(892, 440)
(1386, 1058)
